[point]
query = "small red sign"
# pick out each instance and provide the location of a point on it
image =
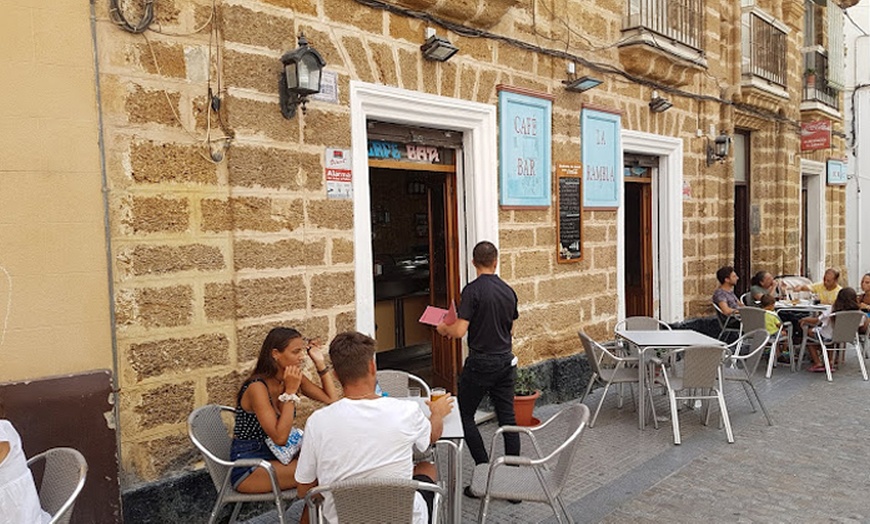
(815, 135)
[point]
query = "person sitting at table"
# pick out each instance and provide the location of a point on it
(19, 501)
(864, 299)
(847, 300)
(724, 296)
(827, 289)
(365, 435)
(762, 283)
(266, 406)
(772, 324)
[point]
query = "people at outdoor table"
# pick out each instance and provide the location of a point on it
(724, 296)
(864, 297)
(847, 300)
(365, 435)
(266, 406)
(772, 323)
(762, 283)
(827, 289)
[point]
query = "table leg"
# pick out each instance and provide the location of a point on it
(641, 389)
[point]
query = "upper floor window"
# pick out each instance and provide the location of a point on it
(764, 45)
(676, 21)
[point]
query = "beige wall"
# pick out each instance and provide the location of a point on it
(51, 215)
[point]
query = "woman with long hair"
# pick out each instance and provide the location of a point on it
(266, 406)
(847, 300)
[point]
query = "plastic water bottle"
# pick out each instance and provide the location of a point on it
(379, 392)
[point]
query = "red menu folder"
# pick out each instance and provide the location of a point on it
(435, 315)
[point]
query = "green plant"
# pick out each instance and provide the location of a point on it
(526, 382)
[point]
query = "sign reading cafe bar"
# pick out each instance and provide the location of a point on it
(602, 174)
(524, 119)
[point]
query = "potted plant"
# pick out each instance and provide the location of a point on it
(810, 76)
(526, 392)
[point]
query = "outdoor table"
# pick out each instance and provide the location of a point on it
(453, 438)
(643, 340)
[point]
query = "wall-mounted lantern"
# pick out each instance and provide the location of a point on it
(718, 150)
(300, 77)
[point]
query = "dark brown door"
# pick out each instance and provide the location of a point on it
(638, 247)
(444, 274)
(804, 215)
(741, 238)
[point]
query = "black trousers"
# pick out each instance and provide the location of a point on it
(493, 375)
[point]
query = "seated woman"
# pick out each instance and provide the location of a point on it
(864, 299)
(19, 501)
(266, 406)
(762, 283)
(847, 300)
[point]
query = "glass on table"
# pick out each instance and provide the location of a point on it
(437, 393)
(413, 392)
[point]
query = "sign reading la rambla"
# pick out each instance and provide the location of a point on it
(524, 154)
(602, 172)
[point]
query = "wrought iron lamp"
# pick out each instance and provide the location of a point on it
(300, 77)
(718, 150)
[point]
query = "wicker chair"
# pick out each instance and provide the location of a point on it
(754, 318)
(537, 479)
(62, 480)
(846, 324)
(742, 360)
(211, 437)
(372, 501)
(701, 379)
(395, 383)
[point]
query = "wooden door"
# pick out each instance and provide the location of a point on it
(742, 262)
(444, 275)
(638, 247)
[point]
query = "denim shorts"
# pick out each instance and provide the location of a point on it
(247, 449)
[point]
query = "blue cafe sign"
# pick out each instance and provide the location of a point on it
(601, 153)
(525, 128)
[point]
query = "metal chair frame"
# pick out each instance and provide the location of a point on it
(754, 318)
(740, 366)
(726, 321)
(551, 471)
(202, 423)
(394, 383)
(846, 324)
(372, 500)
(62, 480)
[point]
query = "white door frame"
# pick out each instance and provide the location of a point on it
(476, 184)
(668, 205)
(815, 174)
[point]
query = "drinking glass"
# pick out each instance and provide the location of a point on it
(413, 392)
(438, 393)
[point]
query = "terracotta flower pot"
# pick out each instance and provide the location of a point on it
(523, 407)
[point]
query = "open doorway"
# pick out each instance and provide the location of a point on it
(638, 240)
(414, 241)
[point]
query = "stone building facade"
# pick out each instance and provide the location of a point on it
(219, 221)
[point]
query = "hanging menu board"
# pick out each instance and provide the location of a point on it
(569, 198)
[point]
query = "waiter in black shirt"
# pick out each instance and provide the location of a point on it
(486, 312)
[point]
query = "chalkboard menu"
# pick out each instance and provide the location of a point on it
(569, 198)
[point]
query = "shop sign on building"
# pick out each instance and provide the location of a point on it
(815, 135)
(524, 147)
(339, 177)
(601, 151)
(836, 173)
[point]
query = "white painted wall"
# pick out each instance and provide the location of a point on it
(857, 116)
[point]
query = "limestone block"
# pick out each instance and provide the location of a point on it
(480, 49)
(530, 216)
(153, 162)
(408, 29)
(326, 128)
(152, 106)
(604, 257)
(532, 264)
(219, 301)
(385, 63)
(408, 63)
(252, 166)
(342, 251)
(258, 297)
(486, 92)
(594, 233)
(449, 79)
(516, 238)
(251, 254)
(363, 19)
(330, 214)
(251, 71)
(216, 215)
(525, 293)
(332, 289)
(165, 455)
(564, 288)
(149, 260)
(545, 237)
(256, 28)
(156, 214)
(266, 214)
(467, 81)
(163, 306)
(223, 389)
(167, 404)
(356, 50)
(254, 117)
(177, 355)
(159, 58)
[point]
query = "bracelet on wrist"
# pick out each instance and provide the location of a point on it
(324, 370)
(288, 397)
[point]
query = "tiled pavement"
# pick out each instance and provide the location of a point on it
(813, 465)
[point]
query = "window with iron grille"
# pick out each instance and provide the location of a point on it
(764, 44)
(678, 21)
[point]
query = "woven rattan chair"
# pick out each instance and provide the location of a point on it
(728, 323)
(372, 501)
(698, 376)
(846, 324)
(395, 383)
(607, 369)
(62, 480)
(741, 361)
(753, 318)
(211, 437)
(540, 478)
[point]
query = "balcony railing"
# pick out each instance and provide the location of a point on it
(764, 49)
(681, 21)
(816, 86)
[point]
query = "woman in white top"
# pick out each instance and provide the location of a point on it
(19, 503)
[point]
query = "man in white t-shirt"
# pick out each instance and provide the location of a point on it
(364, 435)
